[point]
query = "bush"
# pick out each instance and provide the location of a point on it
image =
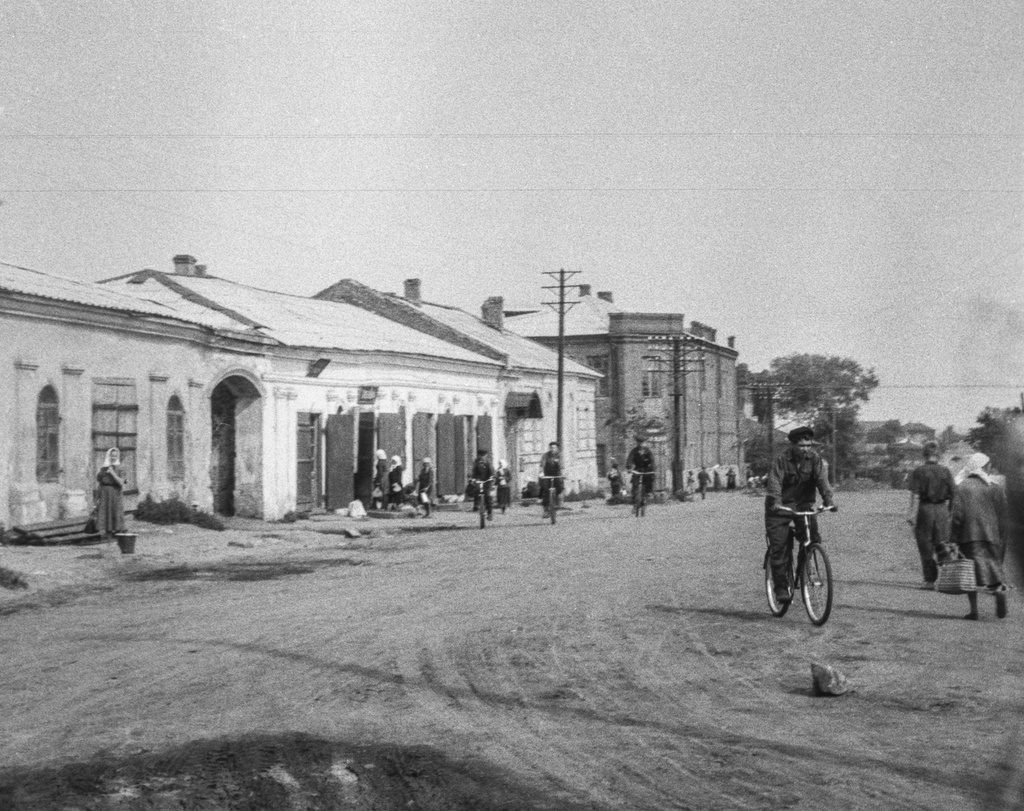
(175, 511)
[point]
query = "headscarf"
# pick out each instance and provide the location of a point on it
(427, 461)
(382, 454)
(974, 466)
(502, 463)
(396, 461)
(108, 460)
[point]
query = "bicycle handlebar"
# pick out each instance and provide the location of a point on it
(543, 476)
(480, 481)
(821, 508)
(641, 472)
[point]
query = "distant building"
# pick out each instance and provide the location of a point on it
(644, 357)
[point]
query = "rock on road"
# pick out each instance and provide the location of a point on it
(605, 662)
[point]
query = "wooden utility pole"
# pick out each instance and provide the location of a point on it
(561, 307)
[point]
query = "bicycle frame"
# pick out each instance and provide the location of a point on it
(640, 499)
(552, 495)
(480, 502)
(812, 573)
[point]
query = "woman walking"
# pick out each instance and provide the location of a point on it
(109, 503)
(395, 491)
(379, 497)
(979, 530)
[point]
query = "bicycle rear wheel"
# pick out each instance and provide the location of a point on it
(552, 503)
(777, 607)
(816, 584)
(482, 509)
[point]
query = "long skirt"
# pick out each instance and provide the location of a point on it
(987, 567)
(109, 510)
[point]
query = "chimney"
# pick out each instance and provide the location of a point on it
(584, 290)
(412, 291)
(605, 295)
(494, 312)
(200, 270)
(185, 265)
(731, 340)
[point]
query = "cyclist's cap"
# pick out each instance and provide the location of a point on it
(801, 433)
(482, 452)
(641, 438)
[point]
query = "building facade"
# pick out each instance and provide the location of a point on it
(676, 384)
(238, 400)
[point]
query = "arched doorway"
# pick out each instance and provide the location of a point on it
(236, 458)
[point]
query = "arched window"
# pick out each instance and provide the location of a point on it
(175, 440)
(47, 436)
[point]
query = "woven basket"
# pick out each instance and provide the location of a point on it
(956, 577)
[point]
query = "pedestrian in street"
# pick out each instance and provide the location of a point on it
(395, 493)
(979, 529)
(378, 499)
(503, 483)
(550, 475)
(931, 500)
(424, 486)
(614, 480)
(109, 501)
(703, 480)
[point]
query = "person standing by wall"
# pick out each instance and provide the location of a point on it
(615, 480)
(380, 480)
(979, 529)
(424, 486)
(931, 500)
(503, 482)
(109, 501)
(395, 494)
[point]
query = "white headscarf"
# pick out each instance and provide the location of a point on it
(974, 466)
(396, 461)
(382, 454)
(108, 461)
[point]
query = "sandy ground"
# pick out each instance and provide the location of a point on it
(603, 663)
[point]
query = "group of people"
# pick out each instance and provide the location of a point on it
(389, 490)
(640, 466)
(962, 516)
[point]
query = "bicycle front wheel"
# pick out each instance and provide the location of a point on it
(816, 584)
(483, 512)
(552, 503)
(777, 607)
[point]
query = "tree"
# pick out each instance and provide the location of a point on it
(825, 392)
(992, 434)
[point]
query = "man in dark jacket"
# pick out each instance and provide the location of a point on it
(795, 475)
(641, 461)
(551, 470)
(483, 472)
(931, 499)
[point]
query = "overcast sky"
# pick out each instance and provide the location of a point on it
(838, 178)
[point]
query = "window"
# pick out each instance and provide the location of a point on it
(175, 440)
(651, 385)
(114, 425)
(47, 436)
(599, 363)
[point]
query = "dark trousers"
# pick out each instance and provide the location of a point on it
(931, 530)
(486, 497)
(545, 485)
(777, 529)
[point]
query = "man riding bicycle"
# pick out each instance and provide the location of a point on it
(551, 472)
(483, 474)
(795, 475)
(641, 460)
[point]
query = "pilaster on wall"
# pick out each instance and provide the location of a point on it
(75, 431)
(26, 503)
(197, 446)
(155, 447)
(279, 466)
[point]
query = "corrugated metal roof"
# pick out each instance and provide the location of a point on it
(295, 320)
(521, 351)
(30, 282)
(589, 316)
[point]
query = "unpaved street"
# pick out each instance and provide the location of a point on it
(601, 663)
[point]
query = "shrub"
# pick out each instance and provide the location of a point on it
(175, 511)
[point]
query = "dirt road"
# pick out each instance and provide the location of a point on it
(603, 663)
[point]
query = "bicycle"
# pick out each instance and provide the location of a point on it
(812, 573)
(480, 499)
(552, 507)
(640, 494)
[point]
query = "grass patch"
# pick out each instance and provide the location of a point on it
(175, 511)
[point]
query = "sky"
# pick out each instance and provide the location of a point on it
(811, 177)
